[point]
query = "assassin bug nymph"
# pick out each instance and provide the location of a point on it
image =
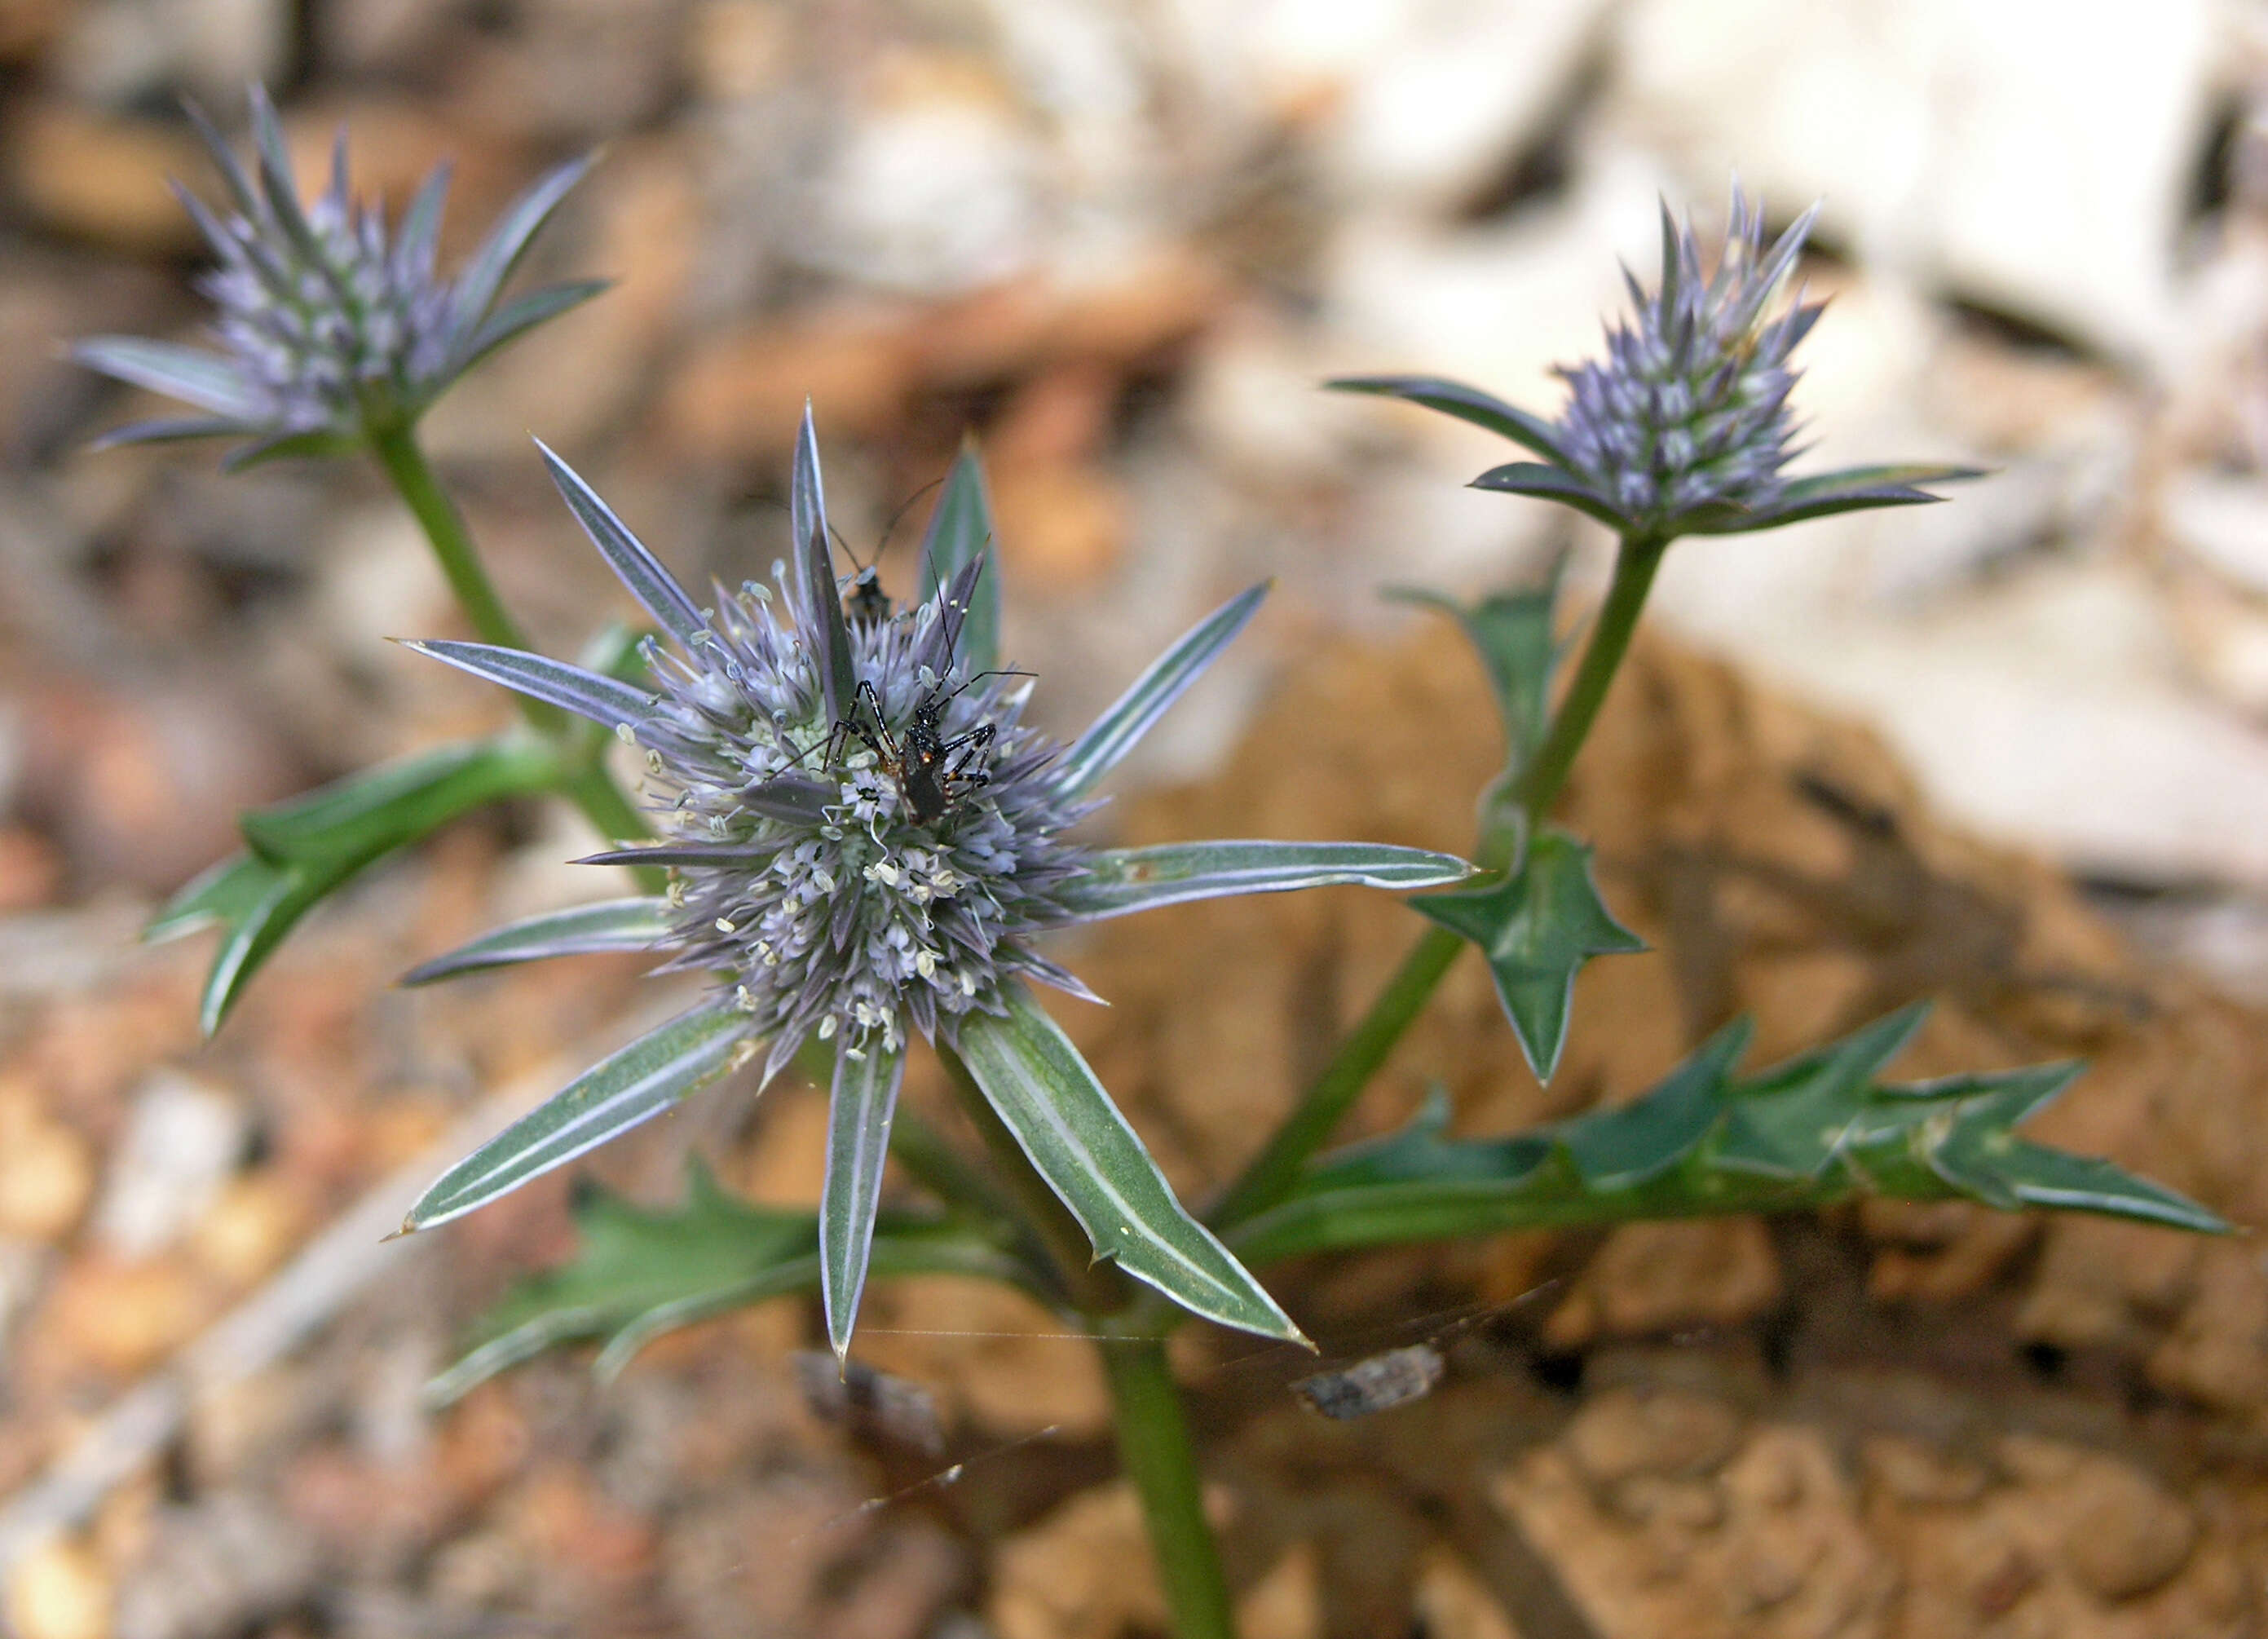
(933, 771)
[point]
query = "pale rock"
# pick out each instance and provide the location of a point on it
(935, 189)
(2048, 709)
(182, 1141)
(2009, 150)
(59, 1591)
(2222, 520)
(1420, 106)
(46, 1170)
(1454, 1604)
(375, 579)
(2224, 640)
(1499, 304)
(115, 51)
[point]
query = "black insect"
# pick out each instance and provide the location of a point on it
(933, 771)
(864, 598)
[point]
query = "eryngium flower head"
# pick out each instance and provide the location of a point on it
(1686, 416)
(1683, 427)
(328, 330)
(865, 837)
(857, 866)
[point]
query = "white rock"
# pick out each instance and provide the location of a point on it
(2029, 152)
(2222, 521)
(933, 192)
(2051, 712)
(120, 49)
(182, 1141)
(1424, 104)
(1494, 305)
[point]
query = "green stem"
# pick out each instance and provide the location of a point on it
(397, 450)
(1634, 566)
(1096, 1288)
(1270, 1174)
(1153, 1445)
(584, 780)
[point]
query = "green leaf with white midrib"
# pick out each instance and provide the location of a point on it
(1121, 881)
(1810, 1134)
(605, 926)
(1075, 1137)
(860, 1104)
(651, 1075)
(1127, 718)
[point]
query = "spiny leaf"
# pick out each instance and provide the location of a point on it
(862, 1100)
(1537, 928)
(1854, 489)
(1815, 1132)
(1114, 733)
(189, 373)
(1120, 880)
(603, 701)
(637, 1272)
(631, 1087)
(1513, 633)
(610, 924)
(522, 314)
(484, 278)
(1466, 403)
(820, 606)
(1552, 483)
(1049, 1097)
(639, 569)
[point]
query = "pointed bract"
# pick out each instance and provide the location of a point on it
(326, 331)
(1684, 426)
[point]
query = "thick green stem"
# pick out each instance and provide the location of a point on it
(1270, 1176)
(585, 781)
(1271, 1173)
(1634, 566)
(397, 450)
(1096, 1288)
(1153, 1445)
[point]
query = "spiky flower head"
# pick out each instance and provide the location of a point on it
(1683, 427)
(1686, 416)
(329, 331)
(855, 865)
(866, 838)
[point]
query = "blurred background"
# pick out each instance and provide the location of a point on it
(1123, 244)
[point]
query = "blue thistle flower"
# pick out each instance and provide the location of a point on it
(1688, 416)
(1684, 426)
(328, 330)
(866, 839)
